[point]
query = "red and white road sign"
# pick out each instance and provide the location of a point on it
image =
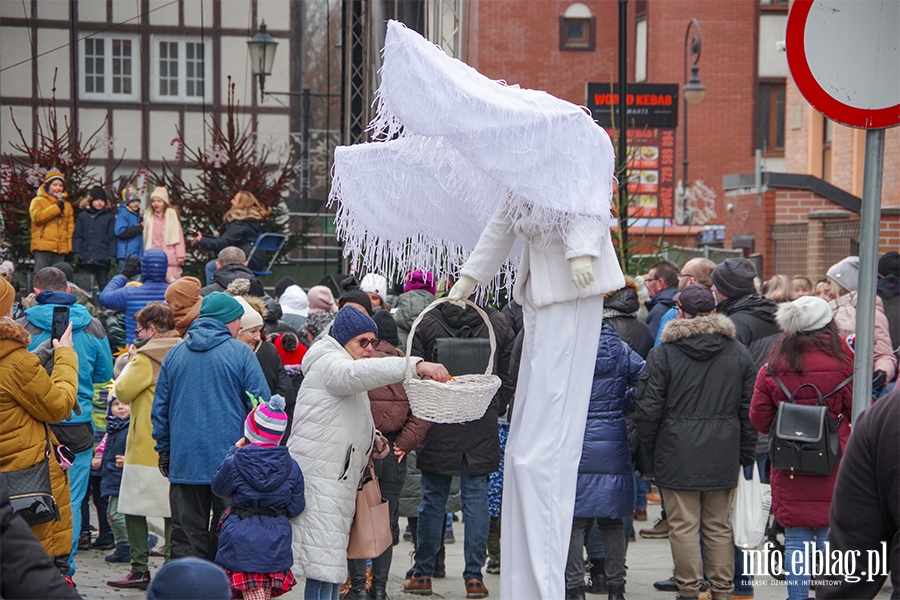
(844, 56)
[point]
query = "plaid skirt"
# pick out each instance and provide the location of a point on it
(279, 583)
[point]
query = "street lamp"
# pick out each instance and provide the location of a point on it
(262, 55)
(693, 92)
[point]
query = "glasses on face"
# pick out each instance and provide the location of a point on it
(364, 342)
(138, 331)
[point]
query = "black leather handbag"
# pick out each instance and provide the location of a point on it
(804, 439)
(30, 491)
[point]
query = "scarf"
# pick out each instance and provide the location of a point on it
(172, 233)
(114, 424)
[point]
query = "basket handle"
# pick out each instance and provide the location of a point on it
(492, 337)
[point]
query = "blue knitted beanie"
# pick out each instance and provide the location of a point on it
(349, 323)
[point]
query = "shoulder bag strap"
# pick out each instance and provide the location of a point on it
(771, 372)
(442, 321)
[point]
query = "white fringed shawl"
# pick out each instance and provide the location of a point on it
(459, 146)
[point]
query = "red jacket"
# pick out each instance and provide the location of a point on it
(390, 408)
(804, 500)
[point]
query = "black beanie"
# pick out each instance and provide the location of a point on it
(734, 278)
(98, 193)
(283, 284)
(66, 268)
(359, 297)
(387, 327)
(889, 264)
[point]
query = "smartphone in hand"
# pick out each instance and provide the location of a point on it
(60, 322)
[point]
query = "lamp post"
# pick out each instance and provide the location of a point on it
(693, 92)
(262, 48)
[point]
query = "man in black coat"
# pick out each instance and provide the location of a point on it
(692, 417)
(662, 284)
(231, 264)
(469, 450)
(865, 510)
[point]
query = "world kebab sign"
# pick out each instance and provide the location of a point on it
(652, 113)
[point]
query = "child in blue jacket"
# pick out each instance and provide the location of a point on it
(266, 490)
(112, 456)
(129, 226)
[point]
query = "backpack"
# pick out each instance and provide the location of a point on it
(464, 353)
(805, 437)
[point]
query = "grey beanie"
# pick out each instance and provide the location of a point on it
(846, 273)
(734, 278)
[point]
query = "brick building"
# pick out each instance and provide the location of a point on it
(805, 214)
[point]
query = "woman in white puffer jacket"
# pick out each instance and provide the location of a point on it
(332, 438)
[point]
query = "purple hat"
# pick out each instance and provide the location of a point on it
(419, 280)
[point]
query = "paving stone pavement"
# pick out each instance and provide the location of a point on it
(648, 561)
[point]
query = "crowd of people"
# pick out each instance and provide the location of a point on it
(246, 420)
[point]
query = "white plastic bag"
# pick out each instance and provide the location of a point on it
(748, 515)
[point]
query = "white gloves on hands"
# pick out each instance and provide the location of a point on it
(582, 271)
(461, 290)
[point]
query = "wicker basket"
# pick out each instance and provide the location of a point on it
(463, 398)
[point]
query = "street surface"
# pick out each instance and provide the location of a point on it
(647, 561)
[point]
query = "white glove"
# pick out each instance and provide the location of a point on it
(461, 290)
(582, 270)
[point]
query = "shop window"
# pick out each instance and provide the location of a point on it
(577, 29)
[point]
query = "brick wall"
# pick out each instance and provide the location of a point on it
(518, 40)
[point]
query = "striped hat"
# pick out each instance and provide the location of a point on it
(267, 422)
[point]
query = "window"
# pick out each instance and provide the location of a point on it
(640, 50)
(577, 29)
(180, 71)
(109, 68)
(770, 115)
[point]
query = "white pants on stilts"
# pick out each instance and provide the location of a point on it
(544, 445)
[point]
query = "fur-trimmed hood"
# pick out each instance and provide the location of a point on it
(699, 338)
(10, 330)
(678, 329)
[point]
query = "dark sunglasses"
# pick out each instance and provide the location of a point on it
(138, 331)
(364, 342)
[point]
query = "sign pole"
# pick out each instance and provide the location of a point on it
(869, 227)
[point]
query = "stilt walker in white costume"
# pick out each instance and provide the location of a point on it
(522, 181)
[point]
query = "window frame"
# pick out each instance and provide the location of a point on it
(772, 84)
(181, 97)
(108, 94)
(591, 39)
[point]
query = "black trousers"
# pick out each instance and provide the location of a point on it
(194, 531)
(101, 502)
(390, 478)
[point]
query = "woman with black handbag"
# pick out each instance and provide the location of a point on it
(29, 400)
(810, 361)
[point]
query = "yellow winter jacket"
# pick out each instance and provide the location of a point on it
(51, 230)
(29, 398)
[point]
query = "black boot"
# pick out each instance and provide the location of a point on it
(440, 568)
(378, 592)
(598, 577)
(616, 591)
(576, 593)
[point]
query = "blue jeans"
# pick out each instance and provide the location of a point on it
(794, 538)
(432, 520)
(79, 475)
(210, 271)
(641, 489)
(321, 590)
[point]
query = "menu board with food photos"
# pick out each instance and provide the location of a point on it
(651, 172)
